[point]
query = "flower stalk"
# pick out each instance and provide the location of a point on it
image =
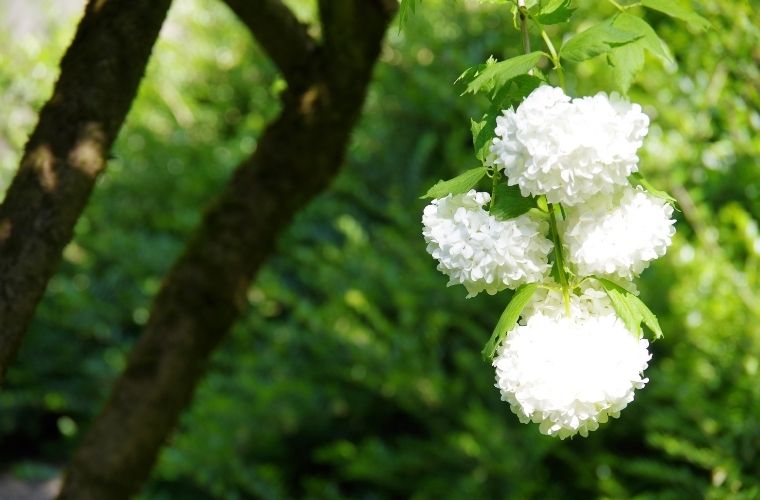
(558, 256)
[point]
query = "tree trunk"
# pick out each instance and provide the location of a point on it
(68, 149)
(297, 157)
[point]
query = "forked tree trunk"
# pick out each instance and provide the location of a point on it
(297, 156)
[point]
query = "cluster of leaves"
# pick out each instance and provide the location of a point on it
(356, 374)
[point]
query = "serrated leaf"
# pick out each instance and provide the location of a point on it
(482, 134)
(638, 179)
(515, 91)
(555, 12)
(596, 40)
(631, 317)
(486, 78)
(680, 10)
(508, 203)
(459, 184)
(626, 62)
(649, 39)
(509, 318)
(648, 316)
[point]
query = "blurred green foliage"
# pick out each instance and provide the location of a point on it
(357, 373)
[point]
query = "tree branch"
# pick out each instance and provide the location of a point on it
(280, 34)
(297, 157)
(100, 73)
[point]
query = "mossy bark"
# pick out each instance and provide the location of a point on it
(68, 149)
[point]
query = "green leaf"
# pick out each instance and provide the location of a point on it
(639, 180)
(555, 12)
(482, 134)
(631, 309)
(459, 184)
(649, 39)
(406, 8)
(618, 295)
(513, 92)
(508, 203)
(596, 40)
(509, 318)
(509, 95)
(493, 75)
(627, 60)
(679, 9)
(649, 318)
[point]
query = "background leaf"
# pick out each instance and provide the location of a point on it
(405, 9)
(679, 9)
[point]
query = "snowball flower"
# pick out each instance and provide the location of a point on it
(618, 235)
(570, 373)
(569, 150)
(480, 251)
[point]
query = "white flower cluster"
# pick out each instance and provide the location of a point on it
(569, 150)
(571, 362)
(570, 373)
(481, 252)
(618, 235)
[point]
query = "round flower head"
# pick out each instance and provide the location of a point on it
(570, 373)
(569, 150)
(618, 235)
(480, 251)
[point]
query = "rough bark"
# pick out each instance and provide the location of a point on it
(297, 156)
(100, 73)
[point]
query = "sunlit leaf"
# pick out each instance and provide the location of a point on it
(485, 78)
(555, 12)
(509, 318)
(459, 184)
(598, 39)
(648, 316)
(618, 296)
(638, 179)
(627, 60)
(679, 9)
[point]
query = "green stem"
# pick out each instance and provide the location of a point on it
(559, 258)
(554, 55)
(524, 29)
